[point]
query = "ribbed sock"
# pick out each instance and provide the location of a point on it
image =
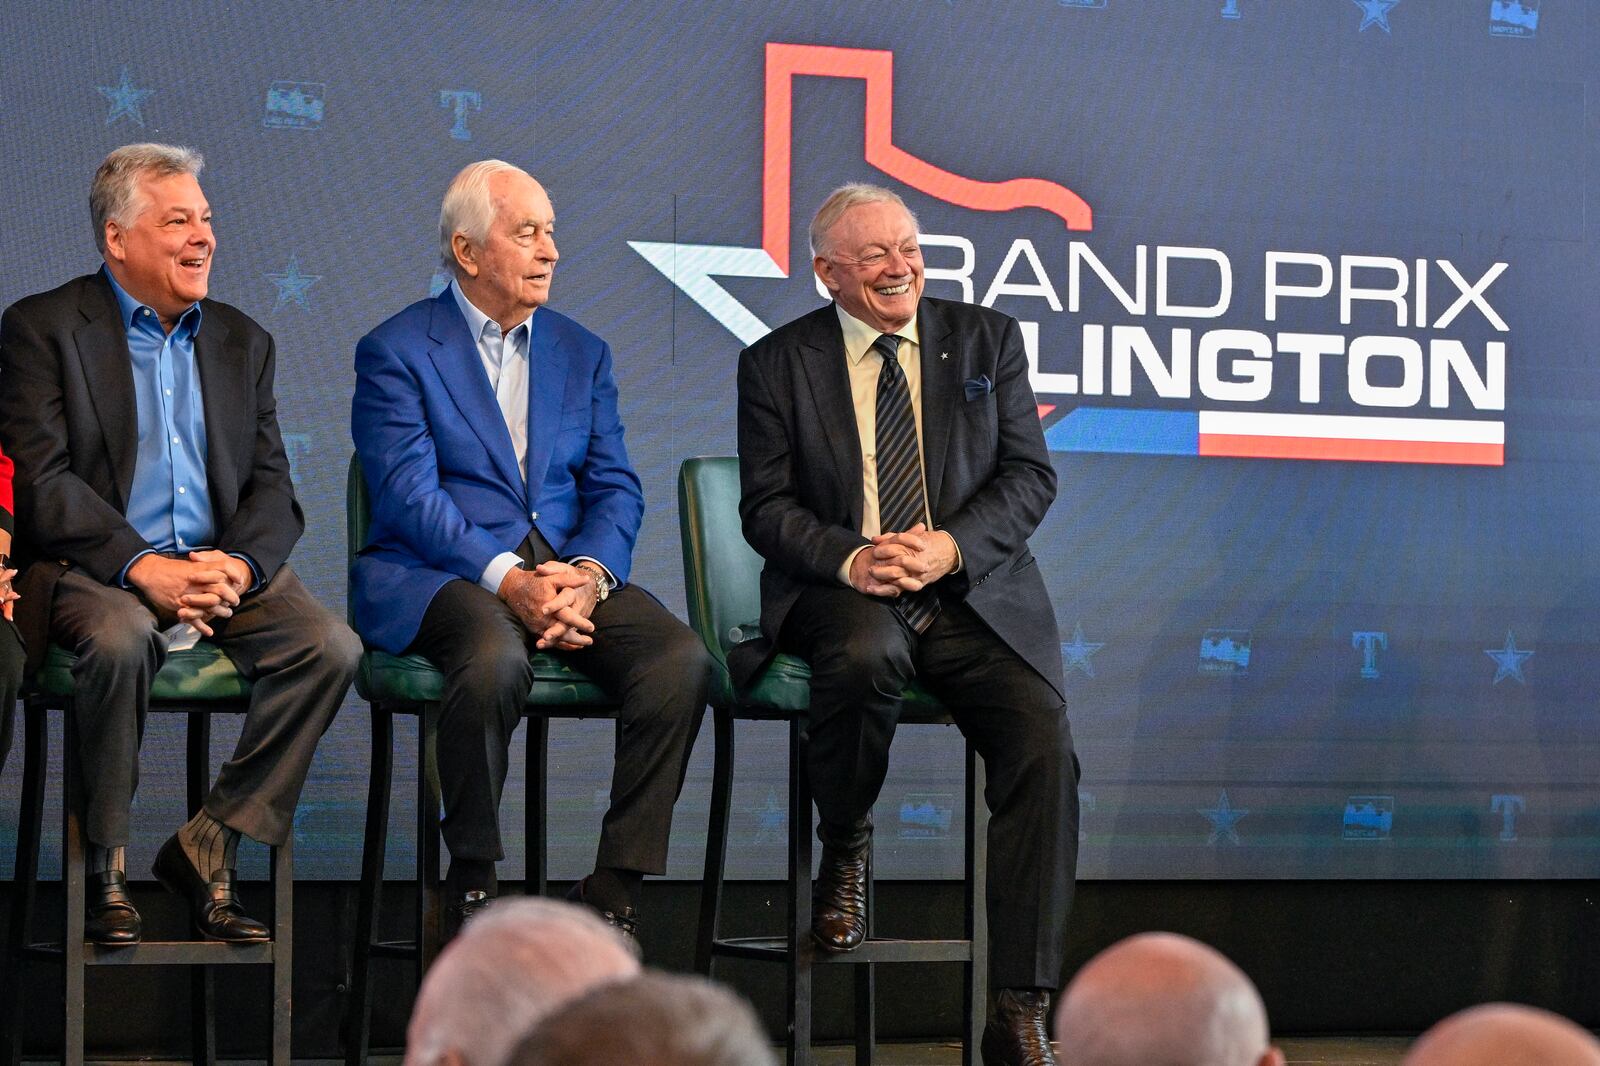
(209, 844)
(612, 889)
(100, 859)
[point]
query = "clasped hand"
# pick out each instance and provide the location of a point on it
(205, 586)
(903, 562)
(554, 600)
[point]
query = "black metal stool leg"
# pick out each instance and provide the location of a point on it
(976, 990)
(866, 989)
(374, 849)
(282, 949)
(716, 838)
(799, 932)
(72, 876)
(202, 982)
(35, 755)
(536, 812)
(429, 896)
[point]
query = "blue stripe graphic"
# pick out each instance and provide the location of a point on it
(1121, 430)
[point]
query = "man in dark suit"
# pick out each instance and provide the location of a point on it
(504, 513)
(893, 468)
(153, 504)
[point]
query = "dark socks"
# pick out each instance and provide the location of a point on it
(100, 859)
(209, 844)
(612, 889)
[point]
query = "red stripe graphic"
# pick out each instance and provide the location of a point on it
(1373, 451)
(876, 68)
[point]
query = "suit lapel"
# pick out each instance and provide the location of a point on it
(455, 356)
(547, 384)
(941, 366)
(224, 389)
(823, 363)
(108, 371)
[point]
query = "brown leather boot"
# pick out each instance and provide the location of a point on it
(839, 897)
(1016, 1035)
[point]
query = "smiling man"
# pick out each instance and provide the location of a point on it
(504, 513)
(153, 497)
(893, 468)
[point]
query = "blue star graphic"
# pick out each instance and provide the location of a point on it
(1077, 653)
(125, 99)
(1223, 817)
(293, 285)
(1508, 660)
(1375, 13)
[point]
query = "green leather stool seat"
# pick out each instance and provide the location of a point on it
(202, 672)
(413, 679)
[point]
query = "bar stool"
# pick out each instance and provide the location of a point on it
(410, 685)
(722, 577)
(198, 683)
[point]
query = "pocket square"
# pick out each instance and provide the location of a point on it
(978, 387)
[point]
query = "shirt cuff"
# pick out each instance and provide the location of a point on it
(255, 571)
(611, 579)
(849, 560)
(497, 570)
(122, 578)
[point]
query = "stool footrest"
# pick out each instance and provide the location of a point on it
(775, 949)
(179, 953)
(46, 950)
(394, 949)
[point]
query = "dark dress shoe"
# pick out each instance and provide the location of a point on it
(625, 923)
(839, 898)
(213, 904)
(464, 908)
(109, 917)
(1016, 1035)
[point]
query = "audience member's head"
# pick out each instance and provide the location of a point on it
(1505, 1034)
(1159, 999)
(655, 1020)
(509, 968)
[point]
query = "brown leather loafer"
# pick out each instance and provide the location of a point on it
(839, 897)
(1016, 1035)
(213, 904)
(109, 917)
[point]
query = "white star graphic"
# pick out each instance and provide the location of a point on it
(1077, 653)
(1375, 13)
(293, 285)
(125, 99)
(1223, 817)
(1508, 660)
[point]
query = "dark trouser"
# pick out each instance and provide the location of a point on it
(862, 656)
(299, 658)
(643, 656)
(11, 660)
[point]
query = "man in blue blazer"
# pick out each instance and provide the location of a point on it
(504, 513)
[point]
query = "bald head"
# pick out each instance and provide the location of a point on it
(511, 966)
(1159, 999)
(1505, 1034)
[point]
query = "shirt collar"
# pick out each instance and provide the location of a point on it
(477, 320)
(858, 336)
(188, 322)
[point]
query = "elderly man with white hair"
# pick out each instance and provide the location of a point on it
(507, 970)
(1160, 999)
(1505, 1034)
(504, 514)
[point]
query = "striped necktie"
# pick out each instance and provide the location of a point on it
(901, 502)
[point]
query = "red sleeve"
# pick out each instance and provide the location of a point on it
(6, 503)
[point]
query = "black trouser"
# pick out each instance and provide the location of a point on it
(299, 658)
(643, 656)
(862, 656)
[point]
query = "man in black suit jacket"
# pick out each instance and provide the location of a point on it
(153, 496)
(892, 469)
